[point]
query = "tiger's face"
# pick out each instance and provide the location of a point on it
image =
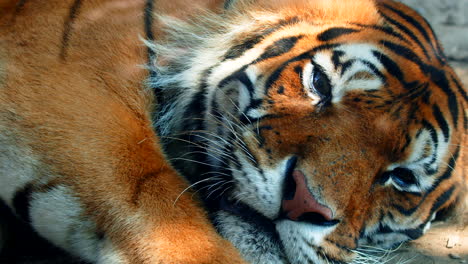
(320, 129)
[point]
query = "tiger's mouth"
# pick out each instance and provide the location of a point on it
(251, 223)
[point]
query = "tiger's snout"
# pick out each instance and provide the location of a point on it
(299, 204)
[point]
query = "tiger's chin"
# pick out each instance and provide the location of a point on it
(264, 240)
(253, 234)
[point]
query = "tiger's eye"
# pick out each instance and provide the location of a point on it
(403, 177)
(321, 84)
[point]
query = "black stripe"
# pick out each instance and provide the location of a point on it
(432, 132)
(241, 76)
(148, 23)
(407, 32)
(21, 202)
(336, 58)
(386, 30)
(441, 200)
(412, 21)
(448, 171)
(346, 66)
(335, 32)
(68, 27)
(342, 247)
(238, 50)
(460, 88)
(18, 9)
(375, 70)
(276, 74)
(407, 143)
(436, 75)
(279, 48)
(437, 49)
(151, 55)
(413, 233)
(441, 121)
(391, 66)
(446, 175)
(417, 91)
(453, 107)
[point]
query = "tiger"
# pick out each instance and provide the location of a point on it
(237, 131)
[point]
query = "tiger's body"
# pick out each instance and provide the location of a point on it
(310, 129)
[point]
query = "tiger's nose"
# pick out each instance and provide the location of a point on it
(298, 202)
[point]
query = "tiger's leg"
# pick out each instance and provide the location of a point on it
(130, 237)
(122, 216)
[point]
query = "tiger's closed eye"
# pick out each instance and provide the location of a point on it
(402, 178)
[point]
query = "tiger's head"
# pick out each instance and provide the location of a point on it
(313, 129)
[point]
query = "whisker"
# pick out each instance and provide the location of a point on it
(190, 186)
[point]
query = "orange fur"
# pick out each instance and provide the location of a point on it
(83, 110)
(72, 96)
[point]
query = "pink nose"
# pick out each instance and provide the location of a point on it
(303, 203)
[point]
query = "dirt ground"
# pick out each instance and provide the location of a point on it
(443, 244)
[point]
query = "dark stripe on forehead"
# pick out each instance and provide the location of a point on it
(336, 58)
(439, 52)
(391, 66)
(410, 19)
(436, 75)
(308, 54)
(239, 49)
(279, 48)
(386, 30)
(460, 88)
(336, 32)
(407, 31)
(68, 27)
(441, 122)
(375, 70)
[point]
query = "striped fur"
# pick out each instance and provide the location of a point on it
(79, 159)
(382, 146)
(355, 94)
